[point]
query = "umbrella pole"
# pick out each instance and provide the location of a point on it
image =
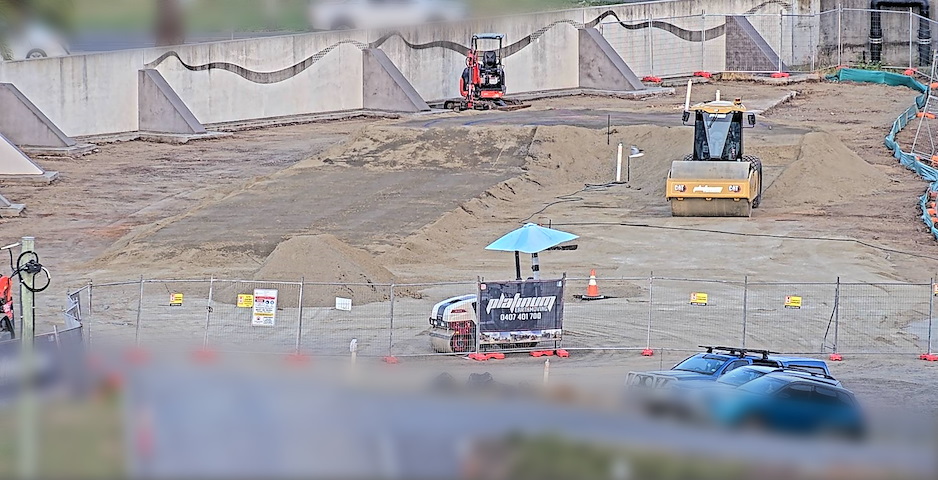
(536, 266)
(518, 264)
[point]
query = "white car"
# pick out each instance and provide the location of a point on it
(34, 41)
(368, 14)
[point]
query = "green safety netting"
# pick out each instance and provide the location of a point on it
(912, 162)
(873, 76)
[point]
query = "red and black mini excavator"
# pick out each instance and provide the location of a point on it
(482, 84)
(7, 326)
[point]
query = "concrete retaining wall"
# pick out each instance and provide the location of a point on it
(322, 72)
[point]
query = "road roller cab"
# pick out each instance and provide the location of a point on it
(717, 180)
(453, 325)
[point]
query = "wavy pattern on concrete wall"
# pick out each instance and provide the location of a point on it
(507, 51)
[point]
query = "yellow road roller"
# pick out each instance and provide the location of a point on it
(717, 180)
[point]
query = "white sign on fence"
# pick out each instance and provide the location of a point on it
(265, 308)
(343, 304)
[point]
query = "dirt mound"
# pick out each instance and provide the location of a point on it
(582, 155)
(826, 172)
(323, 259)
(561, 159)
(388, 147)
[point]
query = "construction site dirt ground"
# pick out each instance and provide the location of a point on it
(416, 199)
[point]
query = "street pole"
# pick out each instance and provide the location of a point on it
(28, 414)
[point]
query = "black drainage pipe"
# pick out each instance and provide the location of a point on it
(924, 29)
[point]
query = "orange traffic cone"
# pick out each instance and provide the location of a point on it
(592, 289)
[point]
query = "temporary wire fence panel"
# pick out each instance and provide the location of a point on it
(632, 41)
(336, 314)
(172, 313)
(413, 306)
(687, 313)
(801, 35)
(789, 317)
(252, 316)
(618, 320)
(635, 313)
(112, 317)
(884, 318)
(769, 42)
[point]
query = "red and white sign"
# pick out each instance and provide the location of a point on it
(265, 308)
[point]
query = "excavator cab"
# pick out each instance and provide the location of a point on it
(717, 179)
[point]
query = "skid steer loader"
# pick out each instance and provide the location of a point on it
(717, 180)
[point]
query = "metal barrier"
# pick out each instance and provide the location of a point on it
(392, 320)
(716, 42)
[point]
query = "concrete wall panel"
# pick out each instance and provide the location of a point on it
(320, 72)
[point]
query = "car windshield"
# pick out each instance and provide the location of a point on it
(764, 385)
(701, 364)
(740, 376)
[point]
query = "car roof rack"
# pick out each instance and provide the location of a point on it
(740, 352)
(809, 372)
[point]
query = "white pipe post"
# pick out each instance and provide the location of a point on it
(619, 165)
(690, 83)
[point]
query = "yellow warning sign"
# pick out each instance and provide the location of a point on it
(699, 299)
(246, 301)
(175, 300)
(792, 301)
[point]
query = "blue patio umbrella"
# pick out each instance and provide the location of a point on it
(531, 238)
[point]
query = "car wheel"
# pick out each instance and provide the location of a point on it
(36, 53)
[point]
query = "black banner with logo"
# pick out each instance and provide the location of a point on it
(520, 312)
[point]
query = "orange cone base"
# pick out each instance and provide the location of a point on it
(542, 353)
(390, 360)
(929, 357)
(562, 353)
(597, 297)
(479, 357)
(836, 357)
(780, 75)
(648, 352)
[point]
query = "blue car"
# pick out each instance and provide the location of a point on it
(790, 402)
(718, 361)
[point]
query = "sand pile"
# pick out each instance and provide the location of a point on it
(322, 259)
(388, 147)
(561, 159)
(574, 155)
(826, 172)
